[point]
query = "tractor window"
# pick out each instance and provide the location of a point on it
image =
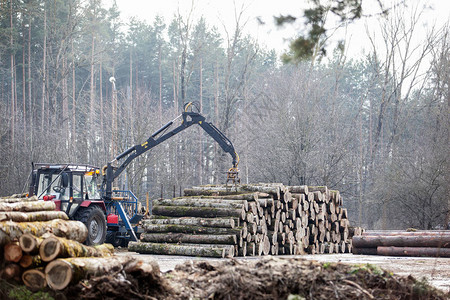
(76, 186)
(46, 186)
(64, 186)
(91, 186)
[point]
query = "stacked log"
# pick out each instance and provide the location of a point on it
(32, 234)
(433, 243)
(252, 219)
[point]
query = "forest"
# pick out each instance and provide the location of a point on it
(376, 128)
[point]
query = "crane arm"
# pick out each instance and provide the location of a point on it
(188, 119)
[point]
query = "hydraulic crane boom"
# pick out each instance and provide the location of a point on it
(189, 118)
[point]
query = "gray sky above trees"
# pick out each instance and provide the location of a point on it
(221, 13)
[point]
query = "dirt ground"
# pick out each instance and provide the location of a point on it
(435, 270)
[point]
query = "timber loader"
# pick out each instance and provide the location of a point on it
(86, 193)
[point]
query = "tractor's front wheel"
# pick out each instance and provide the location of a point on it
(95, 221)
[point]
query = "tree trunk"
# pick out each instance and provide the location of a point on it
(406, 233)
(28, 206)
(13, 88)
(229, 239)
(73, 230)
(205, 222)
(245, 196)
(18, 216)
(438, 241)
(35, 279)
(54, 247)
(222, 190)
(30, 97)
(413, 251)
(186, 211)
(151, 228)
(188, 250)
(44, 74)
(199, 202)
(12, 199)
(92, 86)
(61, 272)
(300, 189)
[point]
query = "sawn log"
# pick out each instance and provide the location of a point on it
(55, 247)
(206, 222)
(229, 239)
(73, 230)
(18, 216)
(186, 249)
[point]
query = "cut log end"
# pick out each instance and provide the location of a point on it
(34, 279)
(58, 274)
(50, 249)
(29, 243)
(13, 252)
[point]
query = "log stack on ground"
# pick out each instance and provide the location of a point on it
(32, 234)
(433, 243)
(248, 219)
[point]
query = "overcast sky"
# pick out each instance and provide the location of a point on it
(222, 13)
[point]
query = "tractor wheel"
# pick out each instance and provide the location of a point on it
(111, 238)
(95, 221)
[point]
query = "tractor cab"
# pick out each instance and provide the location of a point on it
(66, 184)
(75, 190)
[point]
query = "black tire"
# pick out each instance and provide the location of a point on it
(111, 238)
(125, 242)
(94, 219)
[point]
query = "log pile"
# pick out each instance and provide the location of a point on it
(433, 243)
(33, 236)
(253, 219)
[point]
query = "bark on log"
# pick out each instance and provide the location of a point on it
(28, 206)
(73, 230)
(186, 211)
(247, 196)
(12, 252)
(176, 249)
(154, 228)
(35, 279)
(413, 251)
(17, 216)
(299, 189)
(189, 238)
(322, 189)
(222, 190)
(365, 251)
(438, 241)
(54, 247)
(211, 192)
(11, 199)
(406, 233)
(23, 195)
(200, 202)
(62, 272)
(206, 222)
